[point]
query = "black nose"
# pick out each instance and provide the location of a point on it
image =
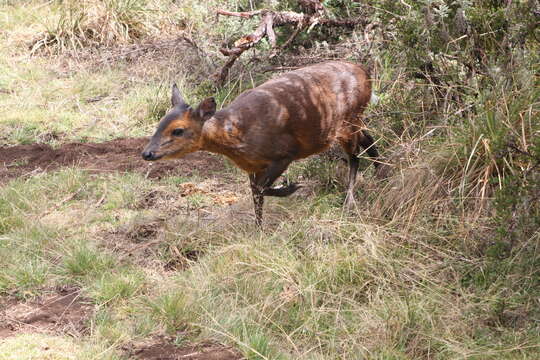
(148, 155)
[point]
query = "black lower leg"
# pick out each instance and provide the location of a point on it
(272, 172)
(281, 191)
(353, 170)
(367, 142)
(258, 199)
(261, 183)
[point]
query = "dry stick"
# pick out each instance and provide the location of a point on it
(244, 44)
(225, 69)
(269, 20)
(245, 14)
(270, 31)
(62, 202)
(248, 41)
(301, 25)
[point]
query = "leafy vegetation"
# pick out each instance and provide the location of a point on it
(439, 261)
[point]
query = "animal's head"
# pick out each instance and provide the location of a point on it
(179, 131)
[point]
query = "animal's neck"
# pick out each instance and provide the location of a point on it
(214, 137)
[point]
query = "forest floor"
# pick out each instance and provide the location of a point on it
(63, 311)
(118, 155)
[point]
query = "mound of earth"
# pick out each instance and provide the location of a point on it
(168, 351)
(65, 312)
(119, 155)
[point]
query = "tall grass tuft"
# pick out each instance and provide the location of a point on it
(93, 23)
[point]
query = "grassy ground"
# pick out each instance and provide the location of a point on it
(422, 269)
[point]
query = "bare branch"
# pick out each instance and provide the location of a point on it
(269, 20)
(245, 14)
(301, 25)
(270, 31)
(224, 72)
(248, 41)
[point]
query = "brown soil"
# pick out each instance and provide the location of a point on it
(153, 198)
(64, 312)
(119, 155)
(168, 351)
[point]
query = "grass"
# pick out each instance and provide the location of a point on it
(439, 261)
(323, 279)
(81, 105)
(30, 347)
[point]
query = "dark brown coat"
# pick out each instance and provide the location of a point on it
(263, 130)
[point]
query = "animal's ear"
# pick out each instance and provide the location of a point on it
(176, 98)
(206, 108)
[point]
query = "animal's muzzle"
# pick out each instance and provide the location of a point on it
(149, 155)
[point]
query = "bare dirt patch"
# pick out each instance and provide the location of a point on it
(153, 198)
(65, 312)
(168, 351)
(120, 155)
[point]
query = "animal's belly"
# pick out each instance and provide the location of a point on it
(315, 143)
(248, 165)
(312, 151)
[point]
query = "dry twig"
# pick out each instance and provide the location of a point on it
(271, 20)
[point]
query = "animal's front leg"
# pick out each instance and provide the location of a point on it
(272, 172)
(353, 170)
(258, 199)
(282, 191)
(261, 183)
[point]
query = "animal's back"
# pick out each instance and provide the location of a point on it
(328, 91)
(299, 113)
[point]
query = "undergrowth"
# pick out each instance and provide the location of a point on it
(439, 260)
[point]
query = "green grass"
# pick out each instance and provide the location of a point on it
(322, 281)
(118, 286)
(30, 347)
(82, 105)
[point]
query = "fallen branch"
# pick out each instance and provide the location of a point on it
(280, 68)
(301, 25)
(225, 69)
(59, 204)
(269, 21)
(245, 14)
(248, 41)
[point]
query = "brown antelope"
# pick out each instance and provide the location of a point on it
(264, 129)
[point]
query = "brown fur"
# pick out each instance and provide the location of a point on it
(291, 117)
(296, 115)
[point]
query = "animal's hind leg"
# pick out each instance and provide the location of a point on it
(366, 141)
(350, 146)
(353, 170)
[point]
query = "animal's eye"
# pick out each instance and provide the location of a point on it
(178, 132)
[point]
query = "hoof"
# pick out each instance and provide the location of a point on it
(282, 191)
(350, 203)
